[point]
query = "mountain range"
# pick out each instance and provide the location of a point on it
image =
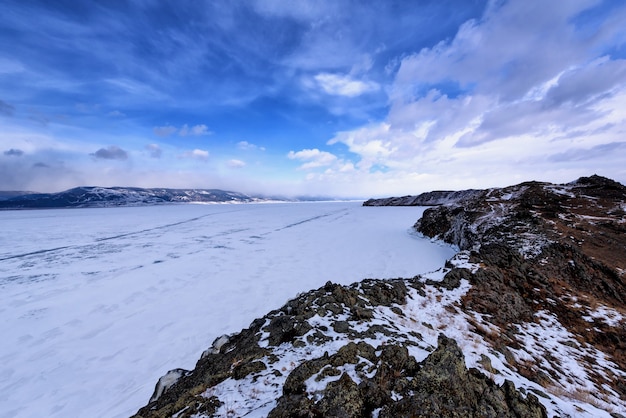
(81, 197)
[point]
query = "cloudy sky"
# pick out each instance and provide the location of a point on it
(336, 98)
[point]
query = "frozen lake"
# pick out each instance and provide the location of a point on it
(97, 304)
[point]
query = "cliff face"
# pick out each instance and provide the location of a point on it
(528, 319)
(548, 254)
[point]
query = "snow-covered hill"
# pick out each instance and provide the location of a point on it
(528, 319)
(120, 196)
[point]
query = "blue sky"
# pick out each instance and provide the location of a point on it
(340, 98)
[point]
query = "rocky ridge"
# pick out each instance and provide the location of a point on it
(527, 320)
(435, 198)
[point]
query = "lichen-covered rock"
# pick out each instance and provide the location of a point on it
(342, 398)
(439, 386)
(443, 387)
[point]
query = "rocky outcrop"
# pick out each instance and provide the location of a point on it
(441, 386)
(545, 249)
(350, 364)
(534, 234)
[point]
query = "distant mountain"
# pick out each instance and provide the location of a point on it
(82, 197)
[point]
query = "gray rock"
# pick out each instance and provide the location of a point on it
(342, 398)
(285, 329)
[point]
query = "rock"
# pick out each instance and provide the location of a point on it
(439, 386)
(342, 398)
(341, 326)
(492, 293)
(294, 385)
(443, 387)
(285, 328)
(216, 346)
(385, 293)
(452, 279)
(245, 369)
(298, 406)
(359, 313)
(166, 381)
(350, 353)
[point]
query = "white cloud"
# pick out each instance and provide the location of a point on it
(197, 154)
(236, 163)
(529, 91)
(527, 145)
(516, 46)
(247, 146)
(587, 83)
(344, 85)
(196, 130)
(374, 144)
(185, 130)
(314, 158)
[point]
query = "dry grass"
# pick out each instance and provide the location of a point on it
(486, 331)
(578, 394)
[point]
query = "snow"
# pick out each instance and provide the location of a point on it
(166, 381)
(98, 304)
(603, 313)
(562, 190)
(459, 260)
(574, 391)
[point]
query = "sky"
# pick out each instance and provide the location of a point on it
(319, 98)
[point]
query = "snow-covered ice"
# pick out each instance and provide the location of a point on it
(97, 304)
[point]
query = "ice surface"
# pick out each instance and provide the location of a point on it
(97, 304)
